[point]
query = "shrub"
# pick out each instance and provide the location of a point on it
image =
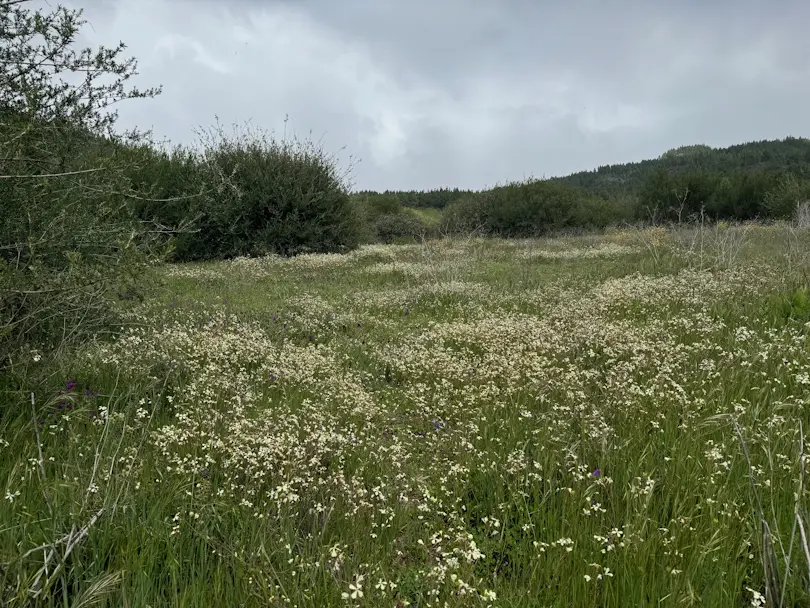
(382, 217)
(464, 216)
(364, 228)
(169, 182)
(591, 212)
(261, 196)
(538, 207)
(394, 226)
(783, 199)
(368, 207)
(69, 247)
(374, 205)
(431, 217)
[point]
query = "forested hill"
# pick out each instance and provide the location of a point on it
(768, 157)
(791, 154)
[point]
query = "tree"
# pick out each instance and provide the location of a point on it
(37, 52)
(68, 244)
(783, 199)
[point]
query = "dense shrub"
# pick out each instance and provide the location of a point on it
(521, 210)
(593, 212)
(465, 216)
(384, 218)
(763, 157)
(69, 246)
(368, 208)
(375, 205)
(249, 194)
(747, 181)
(170, 182)
(391, 227)
(529, 209)
(733, 195)
(783, 199)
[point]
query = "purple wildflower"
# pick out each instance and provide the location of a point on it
(597, 472)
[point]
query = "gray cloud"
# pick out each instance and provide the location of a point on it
(470, 93)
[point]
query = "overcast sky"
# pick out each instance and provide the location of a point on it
(432, 93)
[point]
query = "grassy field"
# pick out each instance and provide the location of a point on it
(612, 420)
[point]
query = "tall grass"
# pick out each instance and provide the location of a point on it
(582, 421)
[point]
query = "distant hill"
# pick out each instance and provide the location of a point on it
(751, 180)
(791, 154)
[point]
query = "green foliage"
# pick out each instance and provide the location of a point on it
(37, 58)
(602, 434)
(170, 181)
(368, 208)
(383, 218)
(754, 180)
(530, 209)
(69, 247)
(429, 216)
(790, 306)
(694, 152)
(736, 195)
(735, 183)
(391, 227)
(787, 155)
(782, 199)
(248, 194)
(438, 198)
(464, 216)
(375, 205)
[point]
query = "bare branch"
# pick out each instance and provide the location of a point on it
(41, 175)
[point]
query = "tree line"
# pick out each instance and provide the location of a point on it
(756, 180)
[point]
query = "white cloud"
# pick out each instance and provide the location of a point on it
(462, 93)
(174, 43)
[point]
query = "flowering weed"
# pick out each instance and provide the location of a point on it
(411, 426)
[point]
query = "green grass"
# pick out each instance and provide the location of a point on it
(430, 216)
(593, 421)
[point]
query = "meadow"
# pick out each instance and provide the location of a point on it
(604, 420)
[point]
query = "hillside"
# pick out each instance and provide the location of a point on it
(791, 154)
(768, 157)
(762, 179)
